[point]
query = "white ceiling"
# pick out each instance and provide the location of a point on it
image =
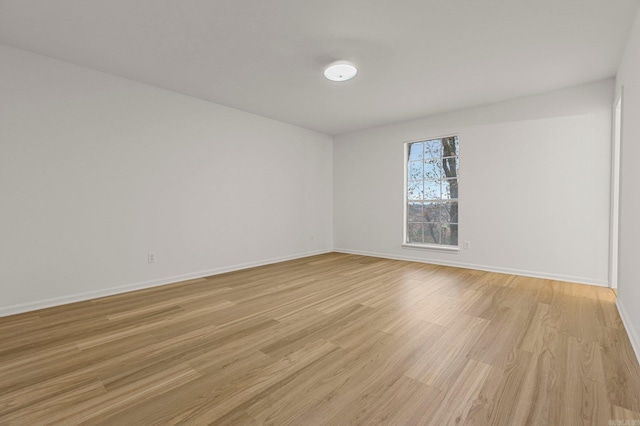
(415, 57)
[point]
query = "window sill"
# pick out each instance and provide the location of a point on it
(447, 249)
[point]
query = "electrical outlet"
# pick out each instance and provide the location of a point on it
(466, 245)
(152, 258)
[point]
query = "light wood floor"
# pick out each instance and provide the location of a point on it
(332, 339)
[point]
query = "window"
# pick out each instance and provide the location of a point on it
(431, 201)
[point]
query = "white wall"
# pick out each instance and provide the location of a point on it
(629, 246)
(534, 185)
(96, 171)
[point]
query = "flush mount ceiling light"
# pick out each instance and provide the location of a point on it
(340, 71)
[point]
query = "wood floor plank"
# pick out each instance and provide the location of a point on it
(447, 356)
(539, 393)
(333, 339)
(543, 330)
(381, 373)
(621, 370)
(582, 384)
(237, 395)
(463, 394)
(407, 402)
(510, 389)
(501, 336)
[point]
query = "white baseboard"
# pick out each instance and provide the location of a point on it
(634, 335)
(79, 297)
(555, 277)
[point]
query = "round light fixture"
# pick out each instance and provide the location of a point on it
(340, 71)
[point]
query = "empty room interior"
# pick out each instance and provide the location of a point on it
(320, 213)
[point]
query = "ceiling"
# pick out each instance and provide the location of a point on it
(415, 57)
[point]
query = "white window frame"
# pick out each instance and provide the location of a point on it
(435, 247)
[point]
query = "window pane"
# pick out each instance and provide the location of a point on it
(432, 190)
(433, 168)
(432, 233)
(433, 149)
(414, 190)
(414, 212)
(414, 233)
(414, 172)
(450, 189)
(416, 151)
(432, 212)
(450, 167)
(450, 212)
(450, 146)
(450, 234)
